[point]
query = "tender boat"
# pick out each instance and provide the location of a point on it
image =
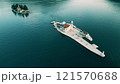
(78, 35)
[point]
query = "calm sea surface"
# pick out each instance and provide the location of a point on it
(33, 42)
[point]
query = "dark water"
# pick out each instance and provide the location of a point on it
(33, 42)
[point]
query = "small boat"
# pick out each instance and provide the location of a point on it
(78, 35)
(22, 11)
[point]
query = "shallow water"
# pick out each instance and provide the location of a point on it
(33, 42)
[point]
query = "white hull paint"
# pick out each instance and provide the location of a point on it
(80, 40)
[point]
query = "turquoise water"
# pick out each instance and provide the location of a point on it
(33, 42)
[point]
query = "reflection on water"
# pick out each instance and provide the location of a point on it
(115, 4)
(33, 41)
(115, 0)
(20, 14)
(48, 3)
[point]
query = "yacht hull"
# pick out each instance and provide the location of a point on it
(81, 41)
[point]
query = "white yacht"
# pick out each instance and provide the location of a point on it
(78, 35)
